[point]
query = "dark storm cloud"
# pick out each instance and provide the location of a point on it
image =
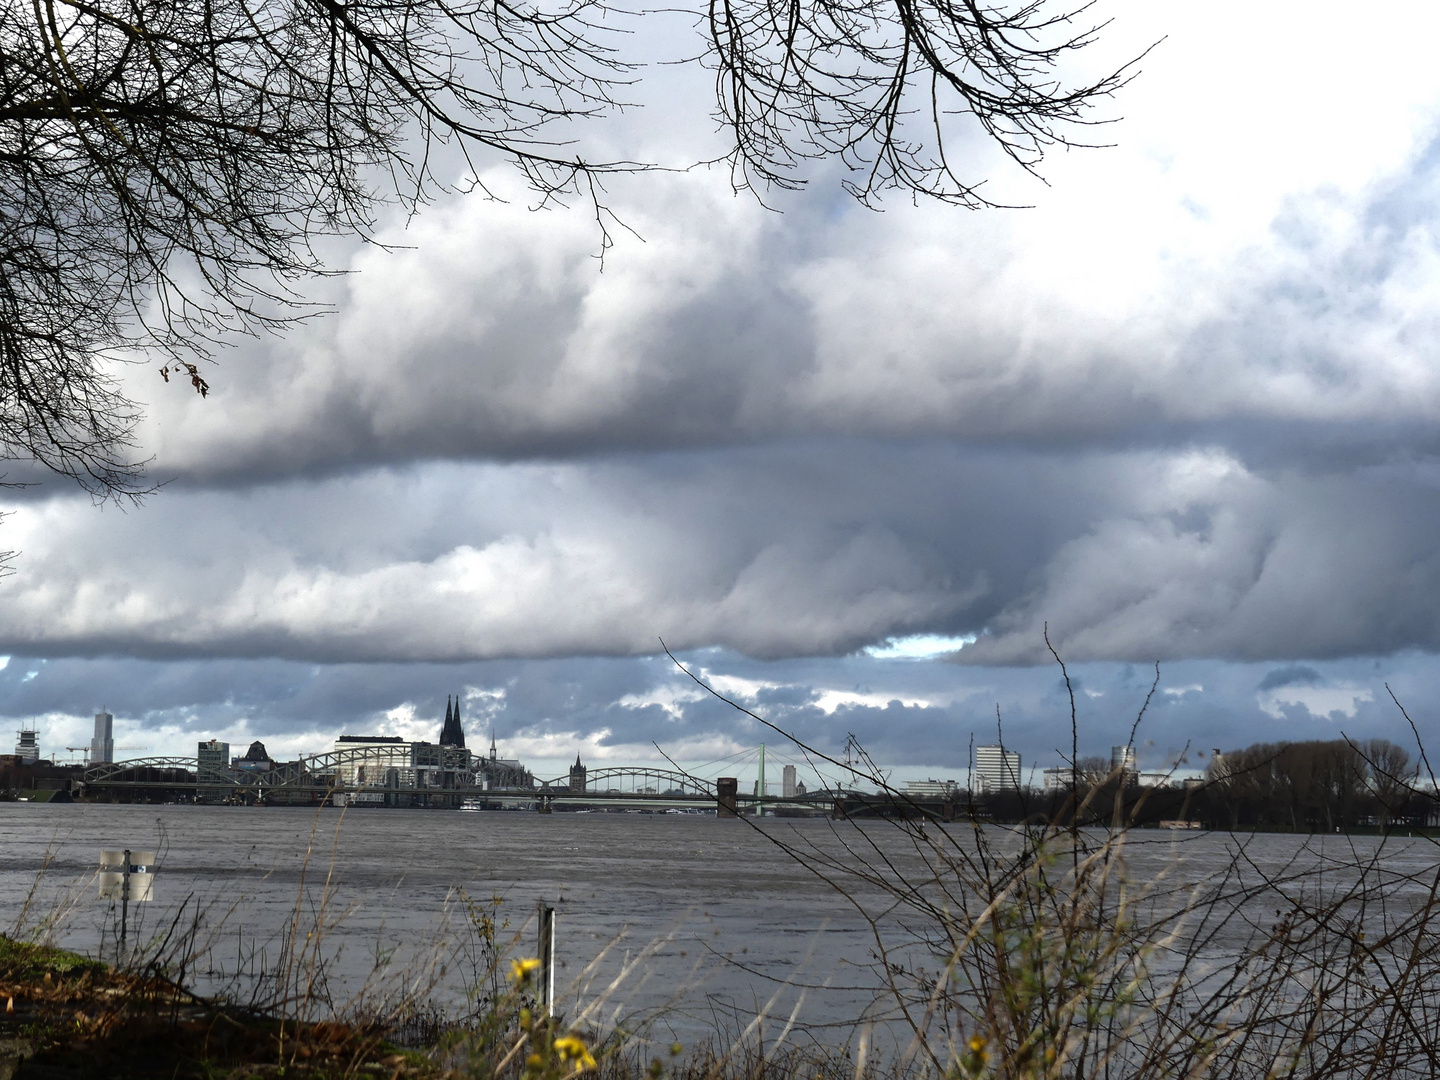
(787, 550)
(1307, 346)
(777, 551)
(1283, 566)
(1291, 675)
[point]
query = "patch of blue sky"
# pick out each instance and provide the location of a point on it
(918, 647)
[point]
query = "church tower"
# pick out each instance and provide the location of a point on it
(577, 775)
(452, 734)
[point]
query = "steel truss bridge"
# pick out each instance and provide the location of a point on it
(370, 770)
(369, 775)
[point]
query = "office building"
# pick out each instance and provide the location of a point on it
(102, 746)
(997, 769)
(389, 771)
(375, 761)
(931, 789)
(27, 744)
(1122, 759)
(213, 757)
(212, 763)
(787, 782)
(1057, 778)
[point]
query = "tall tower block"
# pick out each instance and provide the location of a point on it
(102, 746)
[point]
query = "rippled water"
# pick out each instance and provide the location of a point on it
(728, 918)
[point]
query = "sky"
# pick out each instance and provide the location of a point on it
(850, 464)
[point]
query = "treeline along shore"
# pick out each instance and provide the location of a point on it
(1318, 786)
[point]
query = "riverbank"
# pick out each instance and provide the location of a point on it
(67, 1016)
(1144, 952)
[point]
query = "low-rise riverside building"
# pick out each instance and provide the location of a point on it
(387, 770)
(392, 771)
(932, 789)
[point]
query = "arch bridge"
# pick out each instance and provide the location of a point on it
(141, 771)
(370, 768)
(394, 775)
(635, 780)
(375, 767)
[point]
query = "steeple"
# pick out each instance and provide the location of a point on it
(452, 734)
(492, 743)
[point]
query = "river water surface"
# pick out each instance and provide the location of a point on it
(722, 919)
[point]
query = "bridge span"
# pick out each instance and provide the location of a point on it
(361, 777)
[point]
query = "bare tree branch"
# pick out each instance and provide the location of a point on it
(167, 166)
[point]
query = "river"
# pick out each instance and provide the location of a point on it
(719, 917)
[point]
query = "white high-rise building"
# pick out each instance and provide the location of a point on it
(997, 769)
(1122, 759)
(27, 743)
(787, 782)
(102, 746)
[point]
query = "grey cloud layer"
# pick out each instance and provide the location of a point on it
(790, 550)
(779, 553)
(498, 336)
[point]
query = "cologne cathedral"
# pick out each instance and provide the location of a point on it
(452, 734)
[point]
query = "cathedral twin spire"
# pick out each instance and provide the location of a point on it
(452, 734)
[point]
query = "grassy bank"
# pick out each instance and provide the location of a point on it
(69, 1016)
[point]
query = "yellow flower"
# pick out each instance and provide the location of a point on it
(977, 1042)
(574, 1049)
(520, 969)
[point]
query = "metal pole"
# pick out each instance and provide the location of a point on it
(124, 899)
(547, 959)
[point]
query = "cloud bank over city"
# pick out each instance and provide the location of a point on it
(1183, 409)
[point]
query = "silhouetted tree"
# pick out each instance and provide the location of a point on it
(167, 165)
(1313, 786)
(1392, 776)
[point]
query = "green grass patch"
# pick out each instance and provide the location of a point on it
(21, 961)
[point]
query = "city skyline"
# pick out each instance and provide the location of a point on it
(926, 719)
